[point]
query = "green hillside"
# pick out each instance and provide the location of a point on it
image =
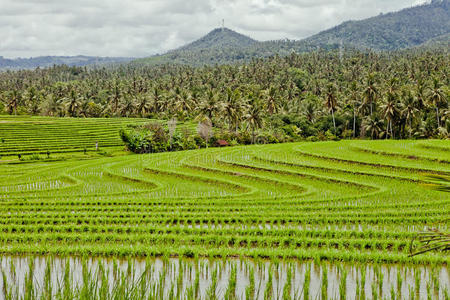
(404, 29)
(397, 30)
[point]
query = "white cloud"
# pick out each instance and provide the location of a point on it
(145, 27)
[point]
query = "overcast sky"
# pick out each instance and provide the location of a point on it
(140, 28)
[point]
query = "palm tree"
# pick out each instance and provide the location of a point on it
(72, 103)
(13, 100)
(142, 105)
(126, 107)
(390, 111)
(437, 97)
(409, 110)
(183, 103)
(32, 100)
(331, 102)
(355, 101)
(53, 106)
(116, 95)
(233, 108)
(271, 100)
(421, 91)
(370, 92)
(254, 115)
(309, 108)
(210, 106)
(373, 125)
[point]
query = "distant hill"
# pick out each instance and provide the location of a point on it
(217, 39)
(225, 46)
(421, 27)
(47, 61)
(440, 42)
(399, 30)
(408, 28)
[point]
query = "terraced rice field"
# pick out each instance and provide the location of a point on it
(348, 201)
(37, 135)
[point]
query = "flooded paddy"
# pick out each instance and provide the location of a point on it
(175, 278)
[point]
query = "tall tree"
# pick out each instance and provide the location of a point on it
(436, 97)
(331, 102)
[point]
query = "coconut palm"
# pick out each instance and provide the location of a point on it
(254, 115)
(73, 103)
(143, 105)
(409, 110)
(370, 92)
(331, 102)
(309, 108)
(373, 125)
(354, 98)
(116, 95)
(436, 97)
(126, 107)
(271, 100)
(233, 108)
(209, 107)
(390, 111)
(13, 100)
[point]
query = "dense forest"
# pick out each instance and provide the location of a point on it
(407, 28)
(318, 95)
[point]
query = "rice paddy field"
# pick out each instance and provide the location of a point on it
(324, 220)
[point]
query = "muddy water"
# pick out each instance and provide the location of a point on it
(419, 281)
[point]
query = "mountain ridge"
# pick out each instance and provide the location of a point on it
(48, 61)
(424, 26)
(408, 28)
(403, 29)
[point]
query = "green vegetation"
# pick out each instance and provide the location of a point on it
(46, 137)
(82, 278)
(320, 96)
(399, 30)
(358, 201)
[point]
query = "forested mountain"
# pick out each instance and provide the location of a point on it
(225, 46)
(404, 29)
(48, 61)
(424, 26)
(440, 42)
(393, 31)
(217, 39)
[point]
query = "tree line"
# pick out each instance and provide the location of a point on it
(319, 94)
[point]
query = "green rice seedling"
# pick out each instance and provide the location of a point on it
(288, 285)
(343, 283)
(231, 289)
(30, 291)
(393, 294)
(268, 292)
(429, 291)
(307, 281)
(7, 291)
(399, 284)
(417, 279)
(324, 283)
(47, 288)
(375, 295)
(211, 292)
(250, 289)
